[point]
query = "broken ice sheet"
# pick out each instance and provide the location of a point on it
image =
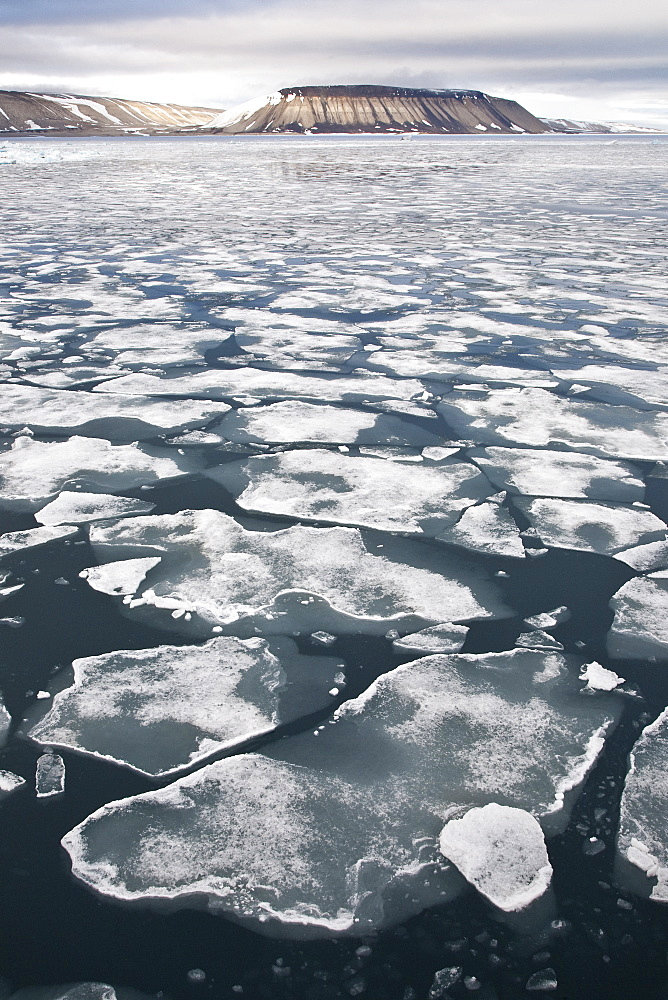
(539, 472)
(299, 578)
(640, 627)
(339, 833)
(159, 710)
(120, 578)
(78, 508)
(487, 528)
(32, 472)
(605, 528)
(437, 639)
(50, 776)
(328, 486)
(19, 541)
(9, 782)
(642, 844)
(501, 851)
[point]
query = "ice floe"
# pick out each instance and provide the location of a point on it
(339, 833)
(10, 782)
(120, 578)
(487, 528)
(437, 639)
(599, 678)
(5, 722)
(20, 541)
(592, 527)
(78, 508)
(159, 710)
(50, 776)
(640, 627)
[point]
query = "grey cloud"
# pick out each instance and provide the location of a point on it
(96, 11)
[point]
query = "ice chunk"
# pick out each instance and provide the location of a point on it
(32, 472)
(78, 991)
(548, 619)
(543, 980)
(443, 980)
(9, 782)
(486, 528)
(598, 678)
(640, 627)
(437, 639)
(50, 776)
(339, 833)
(329, 486)
(541, 472)
(159, 710)
(117, 417)
(592, 527)
(294, 421)
(77, 508)
(541, 419)
(501, 851)
(225, 573)
(642, 841)
(645, 558)
(19, 541)
(119, 578)
(619, 384)
(537, 639)
(5, 722)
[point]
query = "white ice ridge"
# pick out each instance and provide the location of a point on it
(590, 527)
(31, 538)
(117, 417)
(299, 578)
(338, 833)
(267, 385)
(32, 472)
(501, 851)
(642, 840)
(540, 472)
(119, 578)
(294, 421)
(50, 776)
(639, 629)
(159, 710)
(79, 508)
(537, 418)
(487, 528)
(437, 639)
(9, 782)
(320, 485)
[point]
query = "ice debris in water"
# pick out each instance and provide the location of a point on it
(158, 710)
(32, 538)
(501, 851)
(323, 836)
(639, 629)
(116, 417)
(78, 991)
(642, 840)
(78, 508)
(226, 574)
(548, 619)
(9, 782)
(544, 979)
(537, 639)
(32, 472)
(50, 776)
(443, 980)
(437, 639)
(321, 485)
(294, 421)
(121, 578)
(5, 722)
(598, 678)
(591, 527)
(487, 528)
(538, 472)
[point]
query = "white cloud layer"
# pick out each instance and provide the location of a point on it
(596, 60)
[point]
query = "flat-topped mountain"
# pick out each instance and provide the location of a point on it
(378, 109)
(75, 115)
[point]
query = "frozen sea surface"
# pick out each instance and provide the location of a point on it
(333, 503)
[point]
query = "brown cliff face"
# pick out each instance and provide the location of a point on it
(378, 109)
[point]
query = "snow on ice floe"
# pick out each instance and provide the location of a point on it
(217, 573)
(159, 710)
(5, 722)
(294, 421)
(643, 387)
(437, 639)
(32, 472)
(540, 472)
(640, 627)
(116, 417)
(501, 851)
(50, 776)
(20, 541)
(542, 419)
(328, 486)
(599, 678)
(338, 833)
(591, 527)
(78, 991)
(119, 578)
(10, 782)
(642, 844)
(487, 528)
(79, 508)
(645, 558)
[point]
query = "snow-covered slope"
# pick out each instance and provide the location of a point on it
(26, 112)
(571, 125)
(378, 109)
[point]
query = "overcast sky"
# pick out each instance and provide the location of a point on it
(592, 59)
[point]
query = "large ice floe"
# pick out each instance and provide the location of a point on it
(215, 573)
(639, 629)
(162, 709)
(642, 840)
(327, 486)
(592, 527)
(337, 831)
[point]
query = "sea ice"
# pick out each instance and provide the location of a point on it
(437, 639)
(50, 776)
(645, 558)
(78, 508)
(159, 710)
(487, 528)
(501, 851)
(9, 782)
(539, 472)
(598, 678)
(339, 833)
(5, 722)
(119, 578)
(328, 486)
(78, 991)
(31, 538)
(592, 527)
(640, 627)
(299, 578)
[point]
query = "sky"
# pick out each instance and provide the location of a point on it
(598, 60)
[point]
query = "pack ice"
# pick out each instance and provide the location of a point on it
(337, 832)
(320, 485)
(215, 573)
(642, 845)
(639, 629)
(159, 710)
(605, 528)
